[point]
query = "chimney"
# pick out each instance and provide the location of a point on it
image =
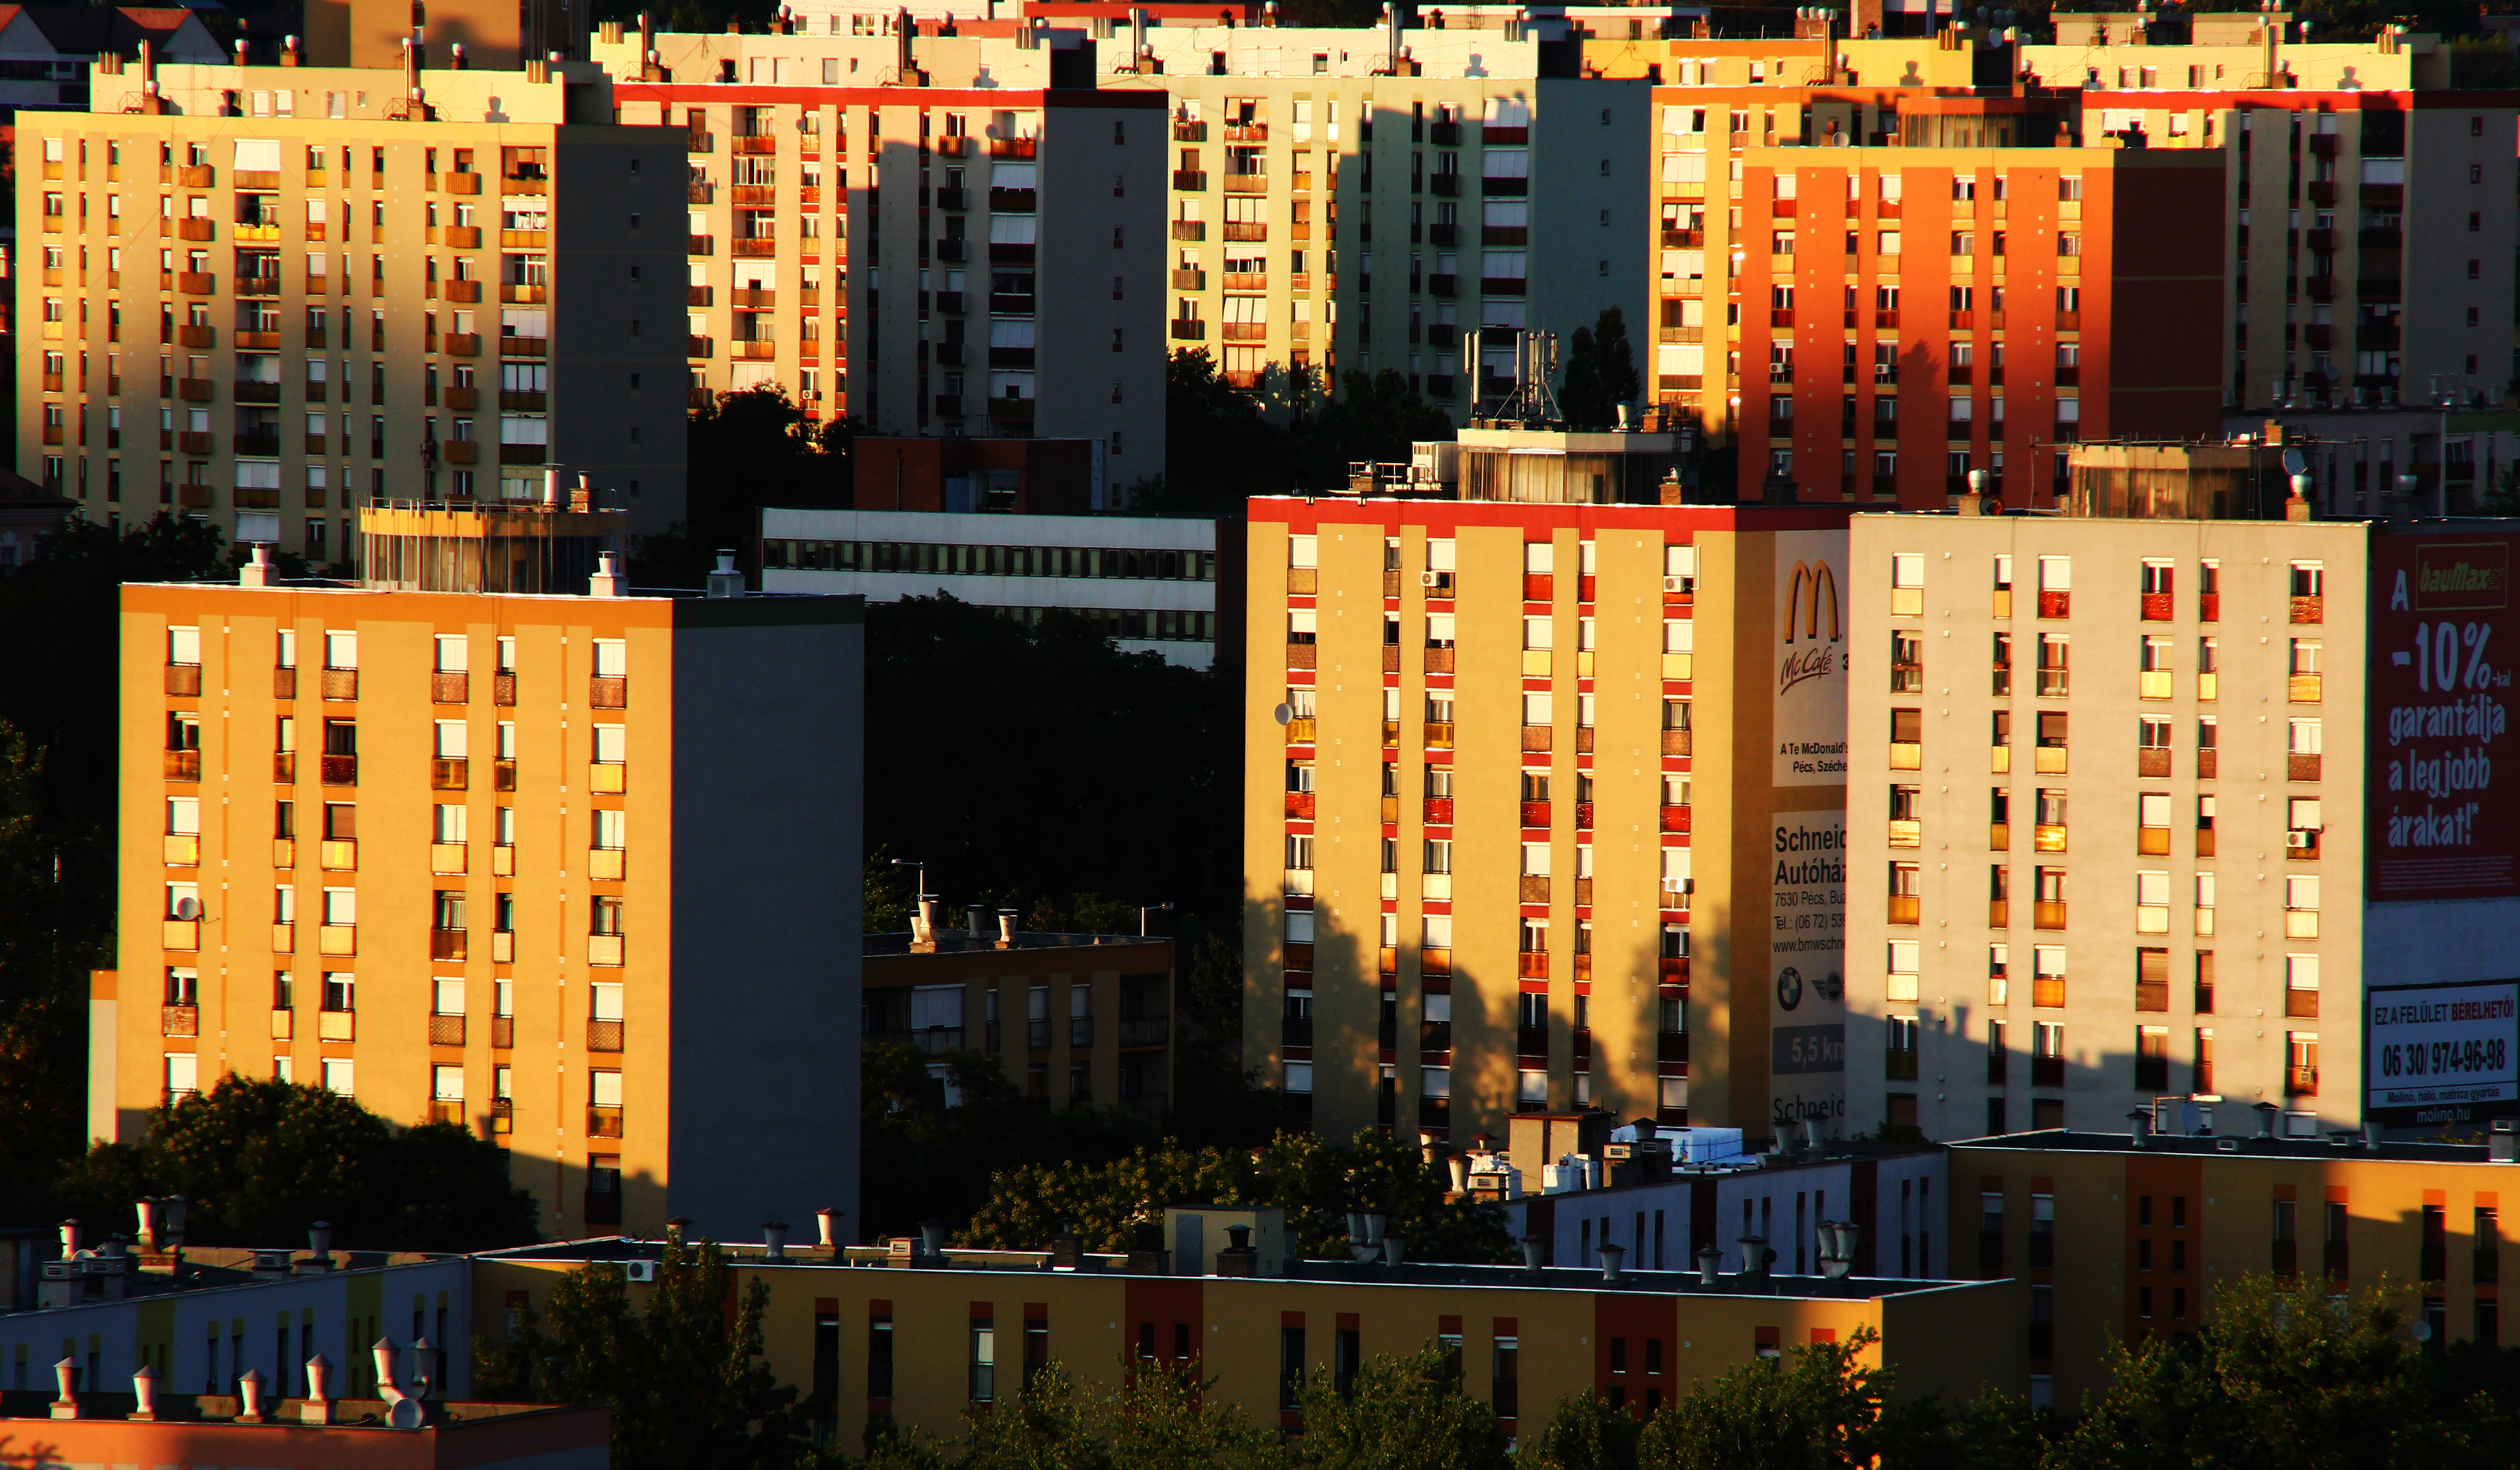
(550, 489)
(1755, 1256)
(826, 1222)
(1068, 1249)
(1006, 928)
(69, 1238)
(424, 1367)
(148, 67)
(256, 571)
(905, 30)
(1534, 1247)
(976, 916)
(241, 52)
(1237, 1258)
(148, 1212)
(932, 1237)
(410, 68)
(144, 1384)
(319, 1244)
(1710, 1264)
(1811, 1133)
(1394, 1247)
(1612, 1257)
(455, 56)
(1391, 39)
(289, 55)
(2370, 1134)
(317, 1406)
(922, 927)
(66, 1371)
(2266, 1115)
(609, 580)
(725, 581)
(387, 1359)
(250, 1397)
(774, 1239)
(1459, 1165)
(582, 498)
(2141, 1119)
(2298, 507)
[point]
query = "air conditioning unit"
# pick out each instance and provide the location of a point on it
(2297, 839)
(1680, 584)
(1426, 579)
(1680, 885)
(639, 1270)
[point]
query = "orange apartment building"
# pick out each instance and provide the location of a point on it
(1913, 314)
(506, 857)
(1479, 883)
(2118, 1236)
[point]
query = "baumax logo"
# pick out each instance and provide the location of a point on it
(1813, 587)
(2462, 576)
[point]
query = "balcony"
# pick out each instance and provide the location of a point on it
(447, 858)
(2048, 759)
(336, 1026)
(283, 1025)
(606, 865)
(1906, 908)
(1190, 181)
(503, 942)
(448, 774)
(341, 683)
(1678, 743)
(337, 940)
(1674, 819)
(604, 948)
(2309, 609)
(2304, 689)
(179, 1020)
(2301, 1004)
(2047, 914)
(609, 778)
(2152, 761)
(603, 1123)
(604, 1036)
(339, 857)
(1902, 833)
(340, 769)
(446, 1031)
(503, 1033)
(2049, 837)
(2299, 767)
(2301, 1082)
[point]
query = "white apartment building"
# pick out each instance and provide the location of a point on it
(2164, 809)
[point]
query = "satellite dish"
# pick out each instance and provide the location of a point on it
(1281, 714)
(188, 908)
(2294, 463)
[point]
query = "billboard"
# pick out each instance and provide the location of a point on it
(2440, 1053)
(1807, 886)
(2441, 826)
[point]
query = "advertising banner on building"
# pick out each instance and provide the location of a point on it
(2442, 1054)
(1807, 889)
(2442, 826)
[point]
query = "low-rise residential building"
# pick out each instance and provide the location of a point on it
(2288, 889)
(2120, 1236)
(479, 847)
(149, 1423)
(2394, 461)
(1482, 878)
(931, 1332)
(1077, 1019)
(261, 296)
(1154, 584)
(46, 50)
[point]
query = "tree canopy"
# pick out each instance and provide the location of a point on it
(1316, 1182)
(1224, 443)
(1599, 374)
(261, 1160)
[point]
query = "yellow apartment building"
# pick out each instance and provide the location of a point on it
(2119, 1236)
(262, 296)
(1077, 1020)
(2155, 807)
(928, 1335)
(1532, 912)
(413, 840)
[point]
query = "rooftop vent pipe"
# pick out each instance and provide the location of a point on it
(725, 581)
(1710, 1264)
(1612, 1258)
(826, 1221)
(774, 1239)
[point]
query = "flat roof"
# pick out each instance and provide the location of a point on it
(2337, 1148)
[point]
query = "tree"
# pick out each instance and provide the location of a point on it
(1585, 1433)
(688, 1387)
(1316, 1183)
(261, 1160)
(1399, 1413)
(1220, 448)
(746, 449)
(1600, 374)
(1373, 420)
(1824, 1412)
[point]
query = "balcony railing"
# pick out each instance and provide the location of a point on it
(1146, 1031)
(604, 1036)
(447, 1030)
(336, 1025)
(603, 1123)
(179, 1020)
(1080, 1031)
(604, 948)
(337, 940)
(449, 944)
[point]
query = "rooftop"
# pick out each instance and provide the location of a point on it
(2338, 1148)
(951, 941)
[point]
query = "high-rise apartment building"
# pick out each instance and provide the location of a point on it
(2287, 889)
(1493, 869)
(2351, 174)
(1911, 313)
(1022, 239)
(261, 296)
(576, 872)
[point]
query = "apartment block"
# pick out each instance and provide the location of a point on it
(438, 838)
(1025, 238)
(2287, 892)
(262, 296)
(1337, 222)
(1534, 913)
(896, 1333)
(1915, 313)
(47, 51)
(2350, 172)
(1077, 1020)
(1154, 585)
(2120, 1236)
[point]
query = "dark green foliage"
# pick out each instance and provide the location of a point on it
(1224, 444)
(59, 744)
(1018, 762)
(922, 1160)
(1585, 1433)
(261, 1160)
(1315, 1182)
(1599, 375)
(1400, 1413)
(745, 450)
(1822, 1412)
(688, 1387)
